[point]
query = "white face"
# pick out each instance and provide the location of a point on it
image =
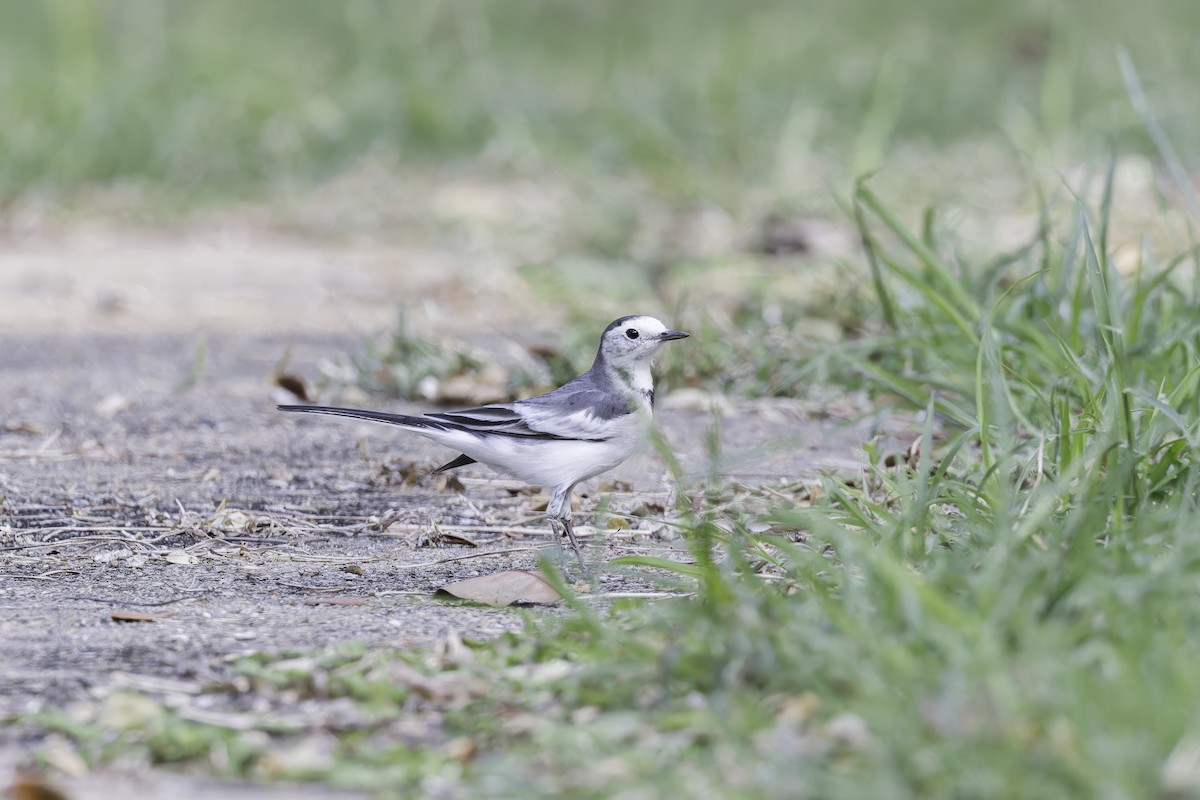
(635, 339)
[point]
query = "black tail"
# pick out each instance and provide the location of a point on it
(373, 416)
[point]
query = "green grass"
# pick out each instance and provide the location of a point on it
(1009, 612)
(700, 101)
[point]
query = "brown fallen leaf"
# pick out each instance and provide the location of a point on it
(294, 386)
(286, 383)
(120, 615)
(504, 589)
(29, 785)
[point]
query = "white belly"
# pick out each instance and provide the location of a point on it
(549, 462)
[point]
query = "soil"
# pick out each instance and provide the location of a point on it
(133, 481)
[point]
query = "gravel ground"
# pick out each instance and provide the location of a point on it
(127, 489)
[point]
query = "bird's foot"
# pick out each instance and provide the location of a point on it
(568, 531)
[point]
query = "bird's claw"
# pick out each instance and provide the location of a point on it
(568, 530)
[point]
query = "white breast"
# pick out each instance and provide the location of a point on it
(551, 462)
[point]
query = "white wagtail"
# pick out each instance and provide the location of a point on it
(585, 427)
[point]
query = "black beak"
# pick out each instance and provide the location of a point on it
(667, 336)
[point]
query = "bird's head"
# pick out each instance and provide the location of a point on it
(632, 341)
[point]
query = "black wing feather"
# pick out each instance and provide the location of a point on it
(461, 461)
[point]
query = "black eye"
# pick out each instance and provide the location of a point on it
(632, 333)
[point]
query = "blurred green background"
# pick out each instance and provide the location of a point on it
(209, 100)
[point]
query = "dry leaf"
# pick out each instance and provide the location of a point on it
(26, 428)
(138, 616)
(294, 386)
(231, 520)
(504, 589)
(180, 557)
(28, 785)
(450, 481)
(286, 382)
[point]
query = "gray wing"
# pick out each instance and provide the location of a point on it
(571, 412)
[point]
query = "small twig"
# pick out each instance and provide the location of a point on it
(49, 440)
(45, 576)
(473, 555)
(72, 540)
(311, 588)
(144, 604)
(336, 559)
(170, 533)
(273, 542)
(406, 528)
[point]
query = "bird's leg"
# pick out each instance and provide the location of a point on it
(570, 531)
(558, 512)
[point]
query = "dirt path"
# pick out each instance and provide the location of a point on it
(238, 528)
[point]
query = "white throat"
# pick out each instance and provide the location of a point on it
(636, 378)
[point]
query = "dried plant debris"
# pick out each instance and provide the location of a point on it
(511, 587)
(288, 388)
(23, 427)
(29, 784)
(124, 615)
(295, 388)
(409, 474)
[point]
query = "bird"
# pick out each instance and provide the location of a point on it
(586, 427)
